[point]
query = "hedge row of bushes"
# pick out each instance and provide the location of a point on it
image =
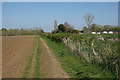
(102, 50)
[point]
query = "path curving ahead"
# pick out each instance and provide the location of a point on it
(50, 67)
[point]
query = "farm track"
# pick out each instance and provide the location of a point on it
(50, 67)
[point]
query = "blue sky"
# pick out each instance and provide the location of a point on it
(43, 14)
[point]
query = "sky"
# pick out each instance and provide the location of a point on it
(43, 14)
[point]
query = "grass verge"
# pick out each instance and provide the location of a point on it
(75, 66)
(37, 63)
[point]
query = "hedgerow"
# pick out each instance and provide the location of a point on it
(99, 49)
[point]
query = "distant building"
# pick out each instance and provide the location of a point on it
(93, 32)
(98, 32)
(110, 32)
(105, 32)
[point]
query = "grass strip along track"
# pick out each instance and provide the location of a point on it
(37, 63)
(36, 54)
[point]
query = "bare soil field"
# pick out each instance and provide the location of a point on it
(15, 54)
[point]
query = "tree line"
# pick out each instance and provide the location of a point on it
(95, 28)
(66, 28)
(14, 32)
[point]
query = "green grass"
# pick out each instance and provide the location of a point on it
(28, 67)
(74, 65)
(37, 63)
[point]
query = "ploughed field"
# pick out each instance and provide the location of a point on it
(15, 53)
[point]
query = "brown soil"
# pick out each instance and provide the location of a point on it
(15, 54)
(50, 67)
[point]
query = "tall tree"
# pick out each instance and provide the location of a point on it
(61, 28)
(4, 32)
(68, 28)
(55, 26)
(89, 19)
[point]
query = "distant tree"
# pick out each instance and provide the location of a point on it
(68, 28)
(107, 27)
(94, 28)
(29, 32)
(22, 31)
(55, 26)
(100, 28)
(11, 32)
(16, 31)
(61, 28)
(75, 31)
(89, 19)
(38, 30)
(42, 31)
(4, 29)
(4, 32)
(116, 28)
(85, 28)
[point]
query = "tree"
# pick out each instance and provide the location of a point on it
(11, 32)
(16, 31)
(116, 28)
(107, 27)
(68, 28)
(89, 19)
(94, 28)
(55, 26)
(4, 29)
(61, 28)
(41, 31)
(4, 32)
(100, 28)
(85, 28)
(38, 30)
(22, 31)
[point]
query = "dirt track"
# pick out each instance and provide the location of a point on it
(50, 67)
(15, 53)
